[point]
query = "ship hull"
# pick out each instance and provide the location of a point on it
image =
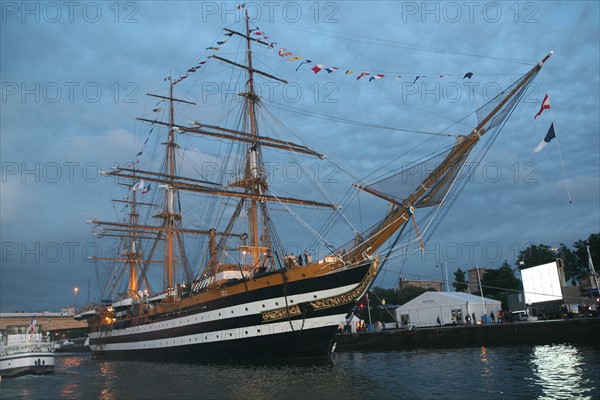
(26, 363)
(307, 344)
(257, 327)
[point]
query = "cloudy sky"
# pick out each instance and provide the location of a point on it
(74, 78)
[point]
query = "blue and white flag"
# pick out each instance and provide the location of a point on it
(549, 136)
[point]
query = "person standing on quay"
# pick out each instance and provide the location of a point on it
(492, 317)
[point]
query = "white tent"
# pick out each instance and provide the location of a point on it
(450, 307)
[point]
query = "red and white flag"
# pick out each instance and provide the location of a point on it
(283, 53)
(317, 68)
(545, 105)
(138, 185)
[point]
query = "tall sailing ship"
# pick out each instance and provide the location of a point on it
(244, 297)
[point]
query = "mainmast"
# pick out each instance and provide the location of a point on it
(253, 173)
(169, 214)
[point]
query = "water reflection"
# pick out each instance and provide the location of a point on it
(557, 370)
(486, 371)
(515, 372)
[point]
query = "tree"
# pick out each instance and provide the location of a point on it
(499, 283)
(581, 254)
(535, 255)
(576, 261)
(460, 283)
(572, 269)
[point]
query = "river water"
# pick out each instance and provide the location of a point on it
(517, 372)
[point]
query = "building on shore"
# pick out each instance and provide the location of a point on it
(57, 323)
(473, 281)
(425, 284)
(449, 307)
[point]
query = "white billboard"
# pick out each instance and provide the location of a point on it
(541, 283)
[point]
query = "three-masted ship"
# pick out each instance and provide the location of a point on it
(248, 299)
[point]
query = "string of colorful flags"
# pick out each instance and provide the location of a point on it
(256, 32)
(330, 69)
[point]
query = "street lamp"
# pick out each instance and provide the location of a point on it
(75, 299)
(445, 283)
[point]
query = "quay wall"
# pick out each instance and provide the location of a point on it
(538, 332)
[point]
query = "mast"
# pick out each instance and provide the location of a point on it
(170, 212)
(131, 235)
(133, 255)
(252, 170)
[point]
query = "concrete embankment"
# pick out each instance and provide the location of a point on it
(539, 332)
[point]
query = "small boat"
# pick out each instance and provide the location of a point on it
(79, 345)
(25, 350)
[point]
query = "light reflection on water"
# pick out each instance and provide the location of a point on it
(558, 370)
(530, 372)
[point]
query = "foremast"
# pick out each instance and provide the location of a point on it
(403, 211)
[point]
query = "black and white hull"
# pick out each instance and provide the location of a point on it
(295, 319)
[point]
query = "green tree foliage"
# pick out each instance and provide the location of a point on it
(499, 283)
(572, 270)
(576, 260)
(581, 254)
(535, 255)
(460, 283)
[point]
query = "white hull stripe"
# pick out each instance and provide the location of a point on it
(226, 335)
